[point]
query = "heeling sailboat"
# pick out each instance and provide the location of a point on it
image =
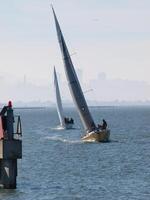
(93, 133)
(65, 122)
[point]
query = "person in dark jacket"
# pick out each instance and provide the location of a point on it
(103, 126)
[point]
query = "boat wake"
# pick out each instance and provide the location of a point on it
(58, 128)
(65, 140)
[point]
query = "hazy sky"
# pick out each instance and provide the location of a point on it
(108, 36)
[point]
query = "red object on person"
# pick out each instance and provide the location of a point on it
(10, 104)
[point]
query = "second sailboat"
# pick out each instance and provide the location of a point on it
(65, 122)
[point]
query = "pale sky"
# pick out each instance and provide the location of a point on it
(110, 37)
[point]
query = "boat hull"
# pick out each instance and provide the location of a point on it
(66, 126)
(69, 126)
(99, 136)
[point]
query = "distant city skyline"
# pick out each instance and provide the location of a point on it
(101, 89)
(111, 41)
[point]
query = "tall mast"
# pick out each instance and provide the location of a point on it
(73, 82)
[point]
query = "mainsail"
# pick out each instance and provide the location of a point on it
(73, 82)
(58, 100)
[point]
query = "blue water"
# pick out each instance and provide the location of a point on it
(57, 165)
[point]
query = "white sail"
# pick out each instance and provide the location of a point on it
(58, 100)
(74, 84)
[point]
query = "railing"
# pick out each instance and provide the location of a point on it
(17, 128)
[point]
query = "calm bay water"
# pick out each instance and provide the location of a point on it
(57, 165)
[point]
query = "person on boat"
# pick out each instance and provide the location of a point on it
(71, 121)
(68, 120)
(103, 126)
(65, 120)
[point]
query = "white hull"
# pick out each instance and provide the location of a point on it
(99, 136)
(69, 126)
(66, 126)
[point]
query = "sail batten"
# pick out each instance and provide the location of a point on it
(73, 82)
(58, 100)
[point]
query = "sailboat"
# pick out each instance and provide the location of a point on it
(92, 132)
(65, 122)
